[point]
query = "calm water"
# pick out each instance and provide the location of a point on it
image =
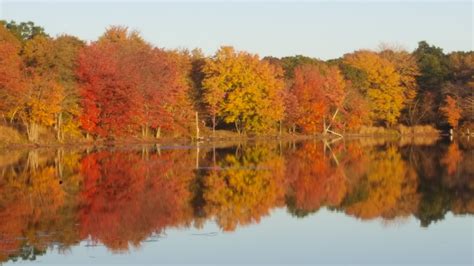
(350, 202)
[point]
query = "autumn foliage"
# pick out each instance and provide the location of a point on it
(451, 111)
(241, 89)
(125, 198)
(121, 87)
(317, 94)
(313, 180)
(128, 86)
(384, 92)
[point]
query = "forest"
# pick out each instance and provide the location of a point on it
(63, 89)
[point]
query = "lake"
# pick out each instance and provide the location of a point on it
(362, 201)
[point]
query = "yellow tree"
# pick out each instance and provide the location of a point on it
(42, 104)
(385, 94)
(406, 66)
(242, 89)
(44, 94)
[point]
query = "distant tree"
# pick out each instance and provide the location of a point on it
(461, 83)
(196, 73)
(290, 63)
(433, 64)
(24, 31)
(357, 77)
(451, 111)
(462, 67)
(423, 109)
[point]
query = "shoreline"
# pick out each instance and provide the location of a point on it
(222, 140)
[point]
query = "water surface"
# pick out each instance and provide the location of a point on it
(351, 202)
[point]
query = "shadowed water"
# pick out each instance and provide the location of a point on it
(359, 201)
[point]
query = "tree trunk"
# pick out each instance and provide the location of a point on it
(280, 128)
(32, 161)
(158, 132)
(197, 155)
(59, 123)
(324, 126)
(213, 126)
(214, 154)
(145, 129)
(197, 126)
(237, 127)
(32, 131)
(58, 160)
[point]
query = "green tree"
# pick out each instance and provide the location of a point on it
(24, 31)
(433, 64)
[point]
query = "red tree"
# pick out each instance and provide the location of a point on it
(11, 85)
(311, 107)
(128, 85)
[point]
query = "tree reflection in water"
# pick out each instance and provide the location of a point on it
(123, 196)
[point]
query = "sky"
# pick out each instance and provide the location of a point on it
(321, 29)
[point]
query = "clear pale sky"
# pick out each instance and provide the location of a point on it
(318, 29)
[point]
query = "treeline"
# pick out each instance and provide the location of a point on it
(57, 198)
(122, 86)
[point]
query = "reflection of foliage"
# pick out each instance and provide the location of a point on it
(445, 182)
(459, 179)
(434, 204)
(387, 185)
(451, 158)
(244, 188)
(121, 197)
(314, 182)
(127, 198)
(359, 194)
(34, 210)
